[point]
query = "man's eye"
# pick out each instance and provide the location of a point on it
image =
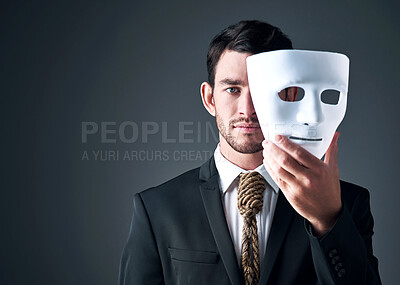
(232, 90)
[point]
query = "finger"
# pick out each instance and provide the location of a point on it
(282, 184)
(332, 152)
(301, 155)
(271, 153)
(285, 160)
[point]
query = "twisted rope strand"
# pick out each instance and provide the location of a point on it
(250, 202)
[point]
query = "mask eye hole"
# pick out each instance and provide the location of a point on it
(291, 94)
(330, 97)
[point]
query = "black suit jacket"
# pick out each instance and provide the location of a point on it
(179, 235)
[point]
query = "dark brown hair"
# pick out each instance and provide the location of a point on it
(246, 36)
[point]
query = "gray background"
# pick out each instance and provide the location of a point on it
(65, 220)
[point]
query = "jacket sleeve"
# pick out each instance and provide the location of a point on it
(344, 255)
(140, 262)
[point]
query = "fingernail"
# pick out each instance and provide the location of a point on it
(278, 138)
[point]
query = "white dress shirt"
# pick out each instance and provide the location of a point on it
(228, 183)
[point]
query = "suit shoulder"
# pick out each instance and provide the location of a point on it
(178, 183)
(350, 192)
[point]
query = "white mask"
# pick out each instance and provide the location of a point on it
(309, 121)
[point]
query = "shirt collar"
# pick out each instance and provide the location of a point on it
(228, 172)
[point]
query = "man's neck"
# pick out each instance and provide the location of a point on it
(246, 161)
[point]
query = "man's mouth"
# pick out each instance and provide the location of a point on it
(305, 139)
(247, 126)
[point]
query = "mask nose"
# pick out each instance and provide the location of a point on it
(310, 111)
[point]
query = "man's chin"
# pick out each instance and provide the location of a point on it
(247, 148)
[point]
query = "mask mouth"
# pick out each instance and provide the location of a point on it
(305, 139)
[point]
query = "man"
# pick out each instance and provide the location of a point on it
(310, 227)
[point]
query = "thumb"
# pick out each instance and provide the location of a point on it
(332, 152)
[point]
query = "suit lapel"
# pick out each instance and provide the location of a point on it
(283, 217)
(211, 196)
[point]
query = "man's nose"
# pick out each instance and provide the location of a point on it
(246, 107)
(310, 111)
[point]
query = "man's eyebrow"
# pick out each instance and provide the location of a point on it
(230, 81)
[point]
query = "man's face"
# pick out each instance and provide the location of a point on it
(234, 111)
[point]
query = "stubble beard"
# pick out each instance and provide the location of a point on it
(225, 131)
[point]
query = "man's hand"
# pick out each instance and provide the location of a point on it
(310, 185)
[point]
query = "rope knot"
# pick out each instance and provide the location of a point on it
(250, 193)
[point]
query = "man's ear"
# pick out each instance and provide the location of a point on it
(207, 97)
